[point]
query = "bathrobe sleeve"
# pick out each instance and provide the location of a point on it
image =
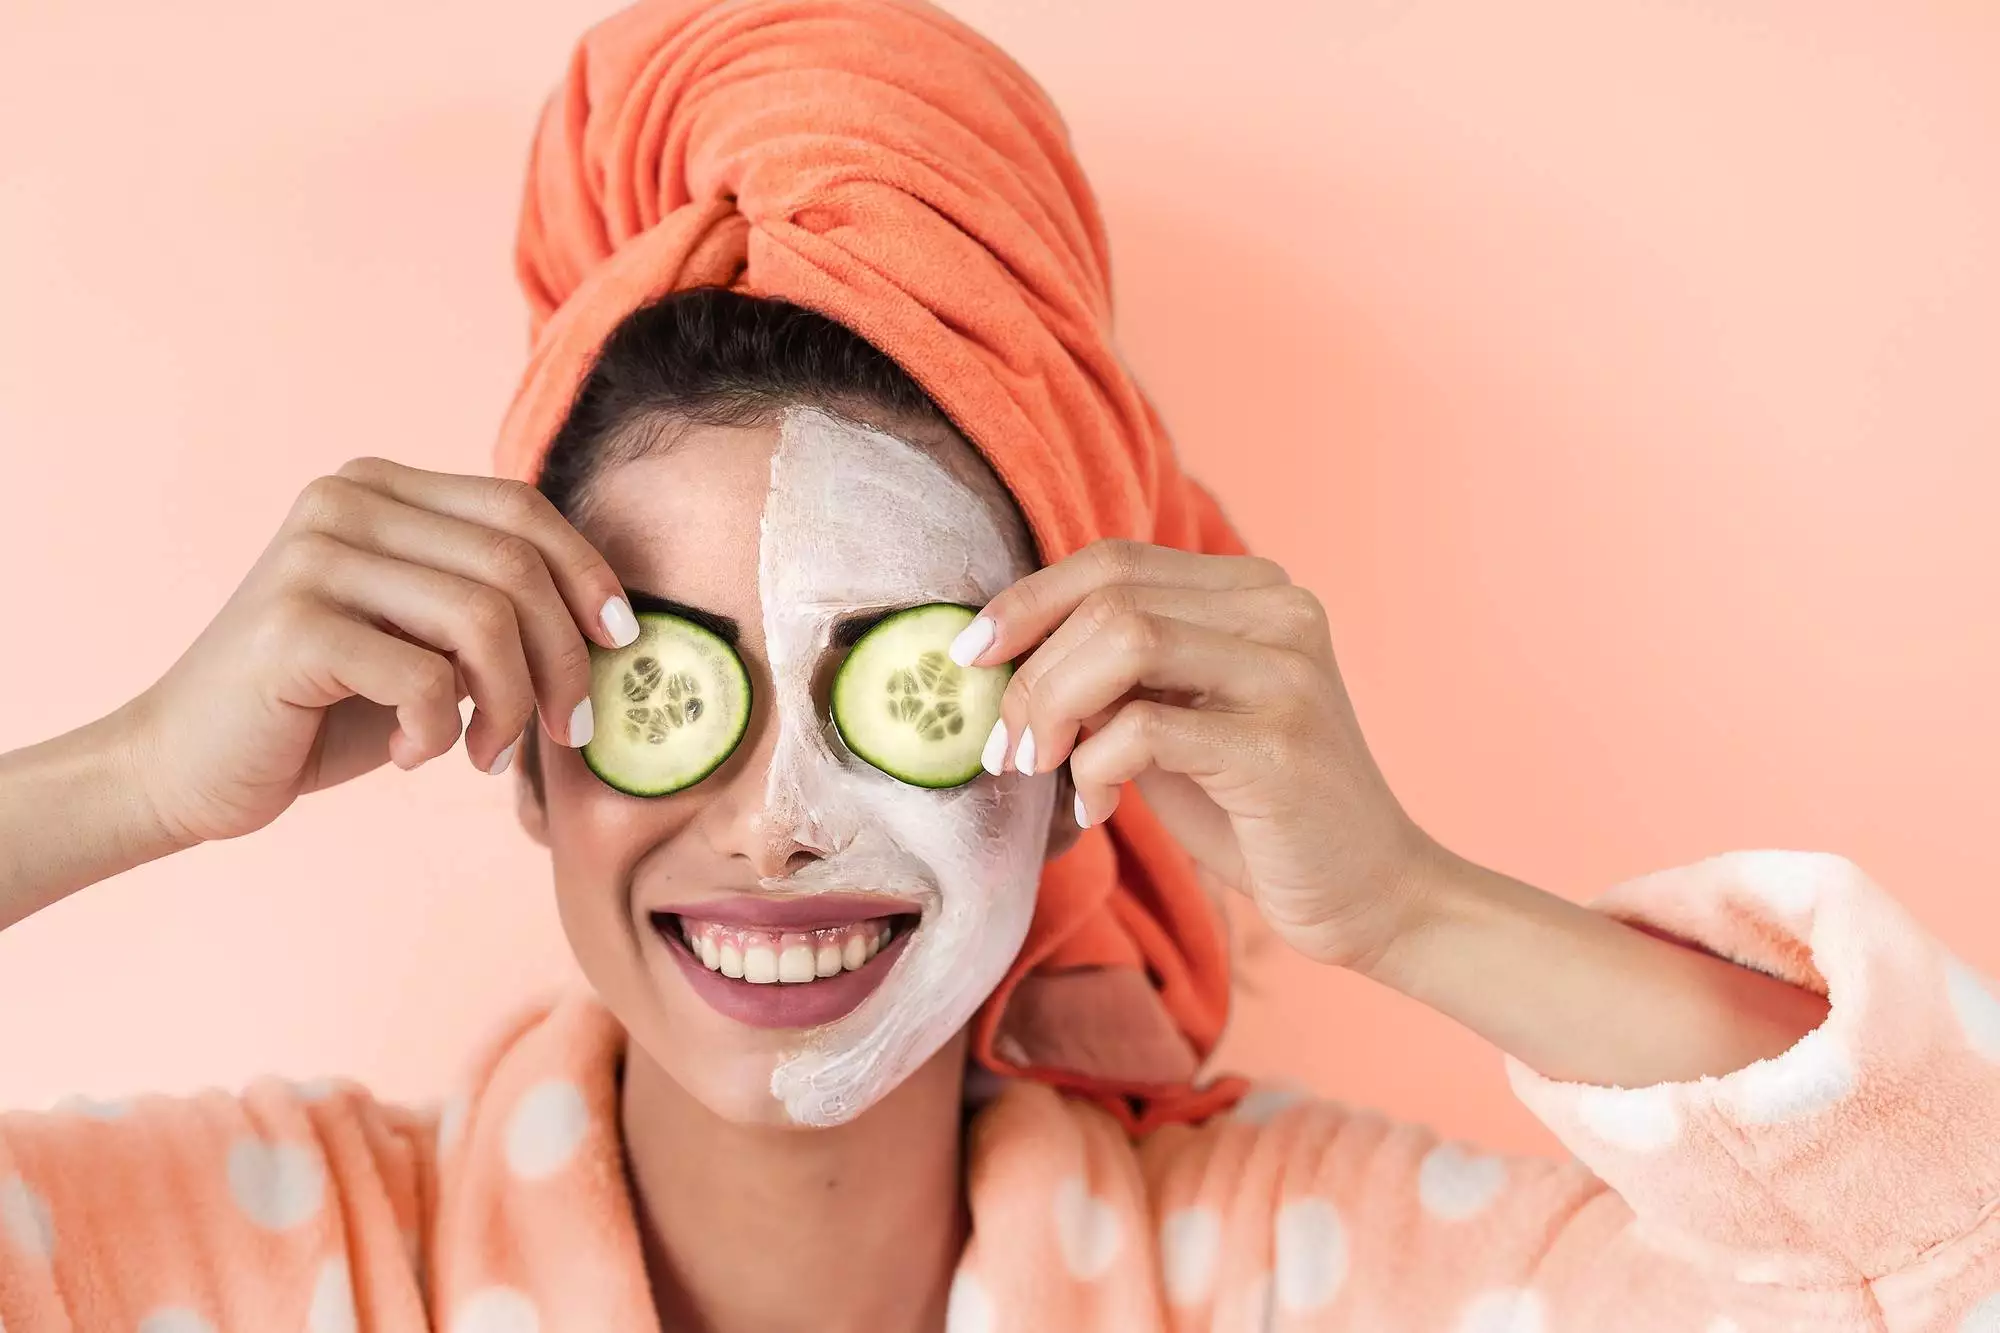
(1868, 1154)
(1848, 1184)
(293, 1207)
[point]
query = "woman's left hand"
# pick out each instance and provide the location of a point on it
(1210, 681)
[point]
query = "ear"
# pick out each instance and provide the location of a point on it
(1063, 831)
(529, 806)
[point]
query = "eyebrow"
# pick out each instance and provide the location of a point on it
(847, 631)
(722, 627)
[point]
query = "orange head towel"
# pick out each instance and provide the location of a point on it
(882, 164)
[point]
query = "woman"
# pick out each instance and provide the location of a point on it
(821, 354)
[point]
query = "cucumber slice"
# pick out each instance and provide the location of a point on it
(903, 705)
(671, 706)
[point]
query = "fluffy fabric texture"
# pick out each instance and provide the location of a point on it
(1847, 1184)
(882, 164)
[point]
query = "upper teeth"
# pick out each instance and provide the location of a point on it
(766, 958)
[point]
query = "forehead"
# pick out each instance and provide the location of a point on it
(850, 516)
(862, 516)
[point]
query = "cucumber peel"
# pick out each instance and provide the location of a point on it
(671, 707)
(902, 705)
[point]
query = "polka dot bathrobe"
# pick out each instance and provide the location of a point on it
(1849, 1183)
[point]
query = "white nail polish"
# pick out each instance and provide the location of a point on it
(994, 757)
(619, 622)
(582, 725)
(1082, 815)
(504, 758)
(973, 640)
(1024, 758)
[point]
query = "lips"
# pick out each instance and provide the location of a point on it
(787, 963)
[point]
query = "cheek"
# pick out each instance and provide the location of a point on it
(597, 835)
(982, 844)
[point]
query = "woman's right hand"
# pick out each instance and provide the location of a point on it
(388, 595)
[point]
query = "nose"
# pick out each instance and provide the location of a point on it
(765, 817)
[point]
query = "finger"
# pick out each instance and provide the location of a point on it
(354, 739)
(1275, 615)
(1279, 616)
(585, 581)
(472, 621)
(1142, 651)
(1146, 734)
(1028, 611)
(558, 658)
(331, 656)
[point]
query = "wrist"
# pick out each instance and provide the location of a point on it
(1380, 914)
(74, 811)
(123, 761)
(1441, 897)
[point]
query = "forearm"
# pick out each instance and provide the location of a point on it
(71, 814)
(1579, 996)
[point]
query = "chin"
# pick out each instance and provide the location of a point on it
(836, 1073)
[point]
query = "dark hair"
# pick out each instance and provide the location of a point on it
(713, 357)
(717, 357)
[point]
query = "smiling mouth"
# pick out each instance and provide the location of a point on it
(782, 958)
(797, 977)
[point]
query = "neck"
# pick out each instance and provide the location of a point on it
(766, 1228)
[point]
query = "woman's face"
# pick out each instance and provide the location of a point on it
(798, 534)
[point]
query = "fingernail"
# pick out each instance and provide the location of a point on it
(504, 758)
(619, 622)
(582, 725)
(994, 757)
(973, 640)
(1024, 758)
(1082, 815)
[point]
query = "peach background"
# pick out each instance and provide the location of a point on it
(1621, 374)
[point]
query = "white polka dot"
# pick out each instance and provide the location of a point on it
(277, 1185)
(1810, 1077)
(1725, 1324)
(1190, 1241)
(968, 1309)
(496, 1310)
(174, 1319)
(1312, 1254)
(24, 1216)
(1789, 883)
(1978, 1012)
(1454, 1184)
(451, 1122)
(92, 1108)
(1636, 1119)
(1765, 1270)
(1087, 1231)
(1261, 1105)
(547, 1125)
(332, 1309)
(1983, 1317)
(1514, 1311)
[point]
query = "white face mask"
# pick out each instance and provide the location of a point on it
(860, 521)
